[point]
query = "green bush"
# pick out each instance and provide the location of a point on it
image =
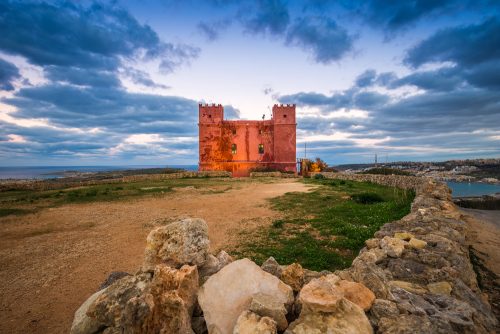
(367, 198)
(319, 176)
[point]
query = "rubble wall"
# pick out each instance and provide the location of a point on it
(419, 267)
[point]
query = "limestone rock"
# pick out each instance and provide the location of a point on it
(147, 303)
(384, 308)
(372, 243)
(403, 236)
(210, 267)
(272, 266)
(213, 264)
(113, 277)
(372, 276)
(266, 306)
(226, 294)
(251, 323)
(82, 323)
(224, 259)
(417, 243)
(405, 324)
(347, 318)
(311, 274)
(408, 286)
(181, 242)
(394, 247)
(319, 295)
(356, 293)
(293, 275)
(441, 288)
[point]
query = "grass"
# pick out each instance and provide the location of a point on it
(20, 202)
(324, 229)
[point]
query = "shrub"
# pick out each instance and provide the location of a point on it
(319, 177)
(367, 198)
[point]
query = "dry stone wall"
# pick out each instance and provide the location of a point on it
(414, 276)
(419, 267)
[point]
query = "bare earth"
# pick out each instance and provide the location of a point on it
(486, 232)
(51, 261)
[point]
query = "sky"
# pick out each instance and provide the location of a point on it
(119, 82)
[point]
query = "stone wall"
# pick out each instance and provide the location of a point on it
(414, 276)
(68, 182)
(419, 267)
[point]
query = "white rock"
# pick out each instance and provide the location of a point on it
(251, 323)
(228, 293)
(82, 323)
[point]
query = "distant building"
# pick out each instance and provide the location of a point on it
(240, 146)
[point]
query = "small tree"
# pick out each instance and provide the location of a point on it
(317, 166)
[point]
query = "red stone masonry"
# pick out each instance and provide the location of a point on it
(239, 146)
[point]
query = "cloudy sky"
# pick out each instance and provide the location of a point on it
(113, 83)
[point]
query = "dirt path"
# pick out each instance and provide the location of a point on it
(51, 261)
(486, 231)
(485, 241)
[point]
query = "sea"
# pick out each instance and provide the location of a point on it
(50, 172)
(466, 189)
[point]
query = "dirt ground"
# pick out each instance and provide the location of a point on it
(52, 260)
(484, 237)
(486, 232)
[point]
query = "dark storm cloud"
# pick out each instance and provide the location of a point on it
(68, 34)
(366, 78)
(141, 78)
(321, 36)
(394, 16)
(269, 16)
(350, 98)
(108, 108)
(8, 73)
(81, 50)
(464, 45)
(81, 77)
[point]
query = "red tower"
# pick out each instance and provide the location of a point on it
(240, 146)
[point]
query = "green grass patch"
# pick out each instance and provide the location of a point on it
(26, 201)
(324, 229)
(13, 211)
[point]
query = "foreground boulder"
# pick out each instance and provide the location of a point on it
(181, 242)
(323, 294)
(347, 317)
(82, 323)
(228, 293)
(161, 302)
(251, 323)
(266, 306)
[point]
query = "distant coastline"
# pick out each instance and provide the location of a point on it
(55, 172)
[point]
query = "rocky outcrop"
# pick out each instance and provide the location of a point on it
(228, 293)
(181, 242)
(149, 303)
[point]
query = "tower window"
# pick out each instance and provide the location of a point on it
(233, 149)
(234, 131)
(261, 149)
(284, 116)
